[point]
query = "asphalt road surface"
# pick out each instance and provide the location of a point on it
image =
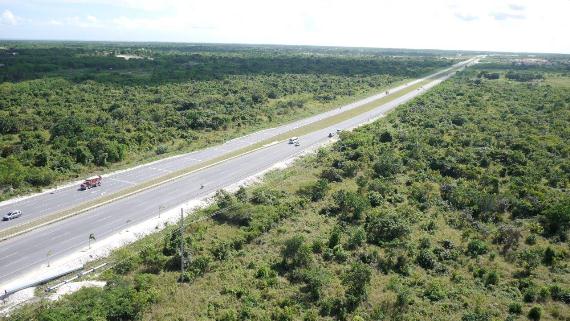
(23, 253)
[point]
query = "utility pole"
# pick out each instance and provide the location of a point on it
(181, 243)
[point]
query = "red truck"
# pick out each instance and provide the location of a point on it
(91, 182)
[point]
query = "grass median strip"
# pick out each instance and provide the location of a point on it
(300, 131)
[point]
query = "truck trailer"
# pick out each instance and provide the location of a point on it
(91, 182)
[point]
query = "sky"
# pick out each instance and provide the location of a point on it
(490, 25)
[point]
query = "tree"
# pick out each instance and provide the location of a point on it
(296, 253)
(315, 278)
(387, 165)
(476, 248)
(386, 227)
(356, 281)
(334, 238)
(556, 218)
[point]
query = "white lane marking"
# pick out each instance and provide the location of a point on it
(10, 255)
(193, 159)
(121, 181)
(161, 169)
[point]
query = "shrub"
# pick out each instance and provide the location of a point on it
(531, 239)
(556, 218)
(388, 165)
(200, 265)
(375, 199)
(296, 253)
(316, 191)
(476, 316)
(559, 294)
(357, 238)
(161, 149)
(332, 175)
(263, 196)
(334, 238)
(549, 256)
(492, 278)
(315, 279)
(339, 253)
(386, 228)
(530, 294)
(152, 259)
(535, 313)
(515, 308)
(125, 262)
(476, 248)
(356, 280)
(350, 205)
(317, 246)
(435, 292)
(426, 259)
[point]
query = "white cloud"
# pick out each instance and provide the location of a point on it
(84, 22)
(8, 18)
(55, 22)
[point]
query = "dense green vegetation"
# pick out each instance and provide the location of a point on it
(454, 207)
(67, 111)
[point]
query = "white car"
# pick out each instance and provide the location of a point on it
(12, 215)
(297, 144)
(292, 140)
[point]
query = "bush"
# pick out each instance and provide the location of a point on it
(386, 228)
(152, 259)
(339, 253)
(559, 294)
(375, 199)
(161, 149)
(315, 279)
(556, 218)
(296, 253)
(334, 238)
(435, 292)
(492, 278)
(426, 259)
(316, 191)
(476, 248)
(124, 262)
(388, 165)
(515, 308)
(549, 256)
(535, 313)
(356, 280)
(476, 316)
(357, 238)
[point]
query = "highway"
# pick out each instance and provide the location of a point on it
(25, 252)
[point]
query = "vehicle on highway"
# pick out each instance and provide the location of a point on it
(12, 215)
(292, 140)
(331, 135)
(91, 182)
(297, 144)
